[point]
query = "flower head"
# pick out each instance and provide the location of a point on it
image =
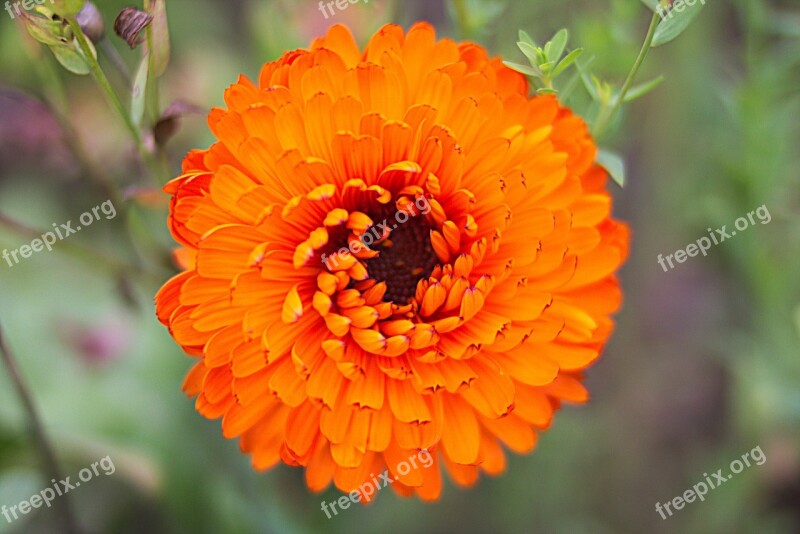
(388, 251)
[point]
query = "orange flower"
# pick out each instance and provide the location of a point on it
(459, 326)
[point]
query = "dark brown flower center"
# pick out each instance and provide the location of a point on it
(404, 258)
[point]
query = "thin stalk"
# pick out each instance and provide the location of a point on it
(50, 466)
(151, 96)
(105, 86)
(116, 60)
(56, 99)
(607, 113)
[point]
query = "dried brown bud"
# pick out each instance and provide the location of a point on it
(91, 22)
(129, 24)
(168, 123)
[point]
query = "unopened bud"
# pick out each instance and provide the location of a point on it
(129, 24)
(91, 22)
(167, 124)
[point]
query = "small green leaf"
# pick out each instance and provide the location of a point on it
(45, 30)
(567, 61)
(138, 91)
(70, 55)
(71, 58)
(546, 91)
(605, 90)
(557, 43)
(613, 164)
(597, 88)
(547, 67)
(528, 70)
(676, 21)
(642, 89)
(525, 38)
(533, 53)
(159, 31)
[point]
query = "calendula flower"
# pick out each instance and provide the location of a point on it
(388, 251)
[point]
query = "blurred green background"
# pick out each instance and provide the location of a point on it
(704, 365)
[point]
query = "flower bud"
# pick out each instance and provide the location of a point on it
(91, 22)
(168, 123)
(129, 24)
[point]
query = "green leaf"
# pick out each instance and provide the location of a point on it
(159, 31)
(676, 21)
(67, 8)
(546, 91)
(547, 67)
(139, 91)
(642, 89)
(46, 30)
(528, 70)
(605, 90)
(651, 4)
(567, 61)
(525, 38)
(613, 164)
(557, 45)
(593, 86)
(71, 58)
(533, 53)
(70, 55)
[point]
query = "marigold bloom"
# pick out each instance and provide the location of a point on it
(460, 326)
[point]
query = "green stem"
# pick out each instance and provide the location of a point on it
(105, 86)
(608, 112)
(462, 18)
(50, 465)
(151, 88)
